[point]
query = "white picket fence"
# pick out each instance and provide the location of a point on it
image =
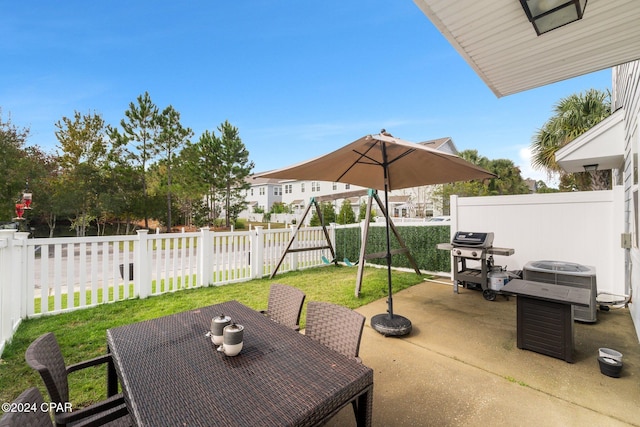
(48, 276)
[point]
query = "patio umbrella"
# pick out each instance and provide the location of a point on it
(384, 162)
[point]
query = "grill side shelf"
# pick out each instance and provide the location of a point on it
(491, 251)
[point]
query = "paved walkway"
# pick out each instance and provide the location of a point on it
(460, 366)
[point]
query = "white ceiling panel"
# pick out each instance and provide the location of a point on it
(498, 41)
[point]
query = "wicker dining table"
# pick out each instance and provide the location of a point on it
(172, 375)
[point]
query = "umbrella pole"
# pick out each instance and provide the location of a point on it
(389, 324)
(386, 207)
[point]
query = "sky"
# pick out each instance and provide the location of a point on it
(297, 78)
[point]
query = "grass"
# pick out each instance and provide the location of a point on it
(513, 380)
(82, 333)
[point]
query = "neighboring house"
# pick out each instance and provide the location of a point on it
(532, 184)
(417, 202)
(262, 194)
(506, 52)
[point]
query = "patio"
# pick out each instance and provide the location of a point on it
(461, 366)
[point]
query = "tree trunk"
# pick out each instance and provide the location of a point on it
(227, 217)
(169, 212)
(169, 196)
(600, 180)
(51, 222)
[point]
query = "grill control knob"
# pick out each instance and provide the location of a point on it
(474, 253)
(459, 252)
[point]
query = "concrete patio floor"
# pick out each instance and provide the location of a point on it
(460, 366)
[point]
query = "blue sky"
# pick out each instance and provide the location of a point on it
(297, 78)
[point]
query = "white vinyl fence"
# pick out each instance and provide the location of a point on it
(582, 227)
(48, 276)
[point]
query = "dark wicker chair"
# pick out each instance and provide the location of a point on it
(32, 418)
(44, 356)
(285, 305)
(335, 326)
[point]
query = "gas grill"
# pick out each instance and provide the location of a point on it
(471, 245)
(472, 254)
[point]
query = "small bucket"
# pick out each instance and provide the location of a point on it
(609, 353)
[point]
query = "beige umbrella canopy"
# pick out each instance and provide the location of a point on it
(384, 162)
(363, 163)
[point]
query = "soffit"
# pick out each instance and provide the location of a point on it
(602, 145)
(497, 40)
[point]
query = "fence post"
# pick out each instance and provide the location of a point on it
(295, 244)
(141, 271)
(362, 225)
(205, 257)
(332, 236)
(256, 252)
(22, 262)
(453, 212)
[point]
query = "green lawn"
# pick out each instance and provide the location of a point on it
(82, 333)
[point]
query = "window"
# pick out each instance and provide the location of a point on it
(335, 186)
(288, 189)
(315, 186)
(277, 191)
(262, 191)
(302, 187)
(252, 191)
(347, 186)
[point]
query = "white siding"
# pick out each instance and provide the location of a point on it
(626, 94)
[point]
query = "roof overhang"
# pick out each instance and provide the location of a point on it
(602, 145)
(498, 41)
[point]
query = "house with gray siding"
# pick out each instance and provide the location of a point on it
(511, 55)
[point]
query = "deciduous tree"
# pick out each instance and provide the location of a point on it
(83, 155)
(13, 161)
(508, 181)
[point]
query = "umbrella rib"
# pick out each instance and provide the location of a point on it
(358, 161)
(375, 162)
(406, 153)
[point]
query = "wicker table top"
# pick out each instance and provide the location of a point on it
(171, 373)
(548, 292)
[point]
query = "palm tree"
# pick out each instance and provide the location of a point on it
(573, 116)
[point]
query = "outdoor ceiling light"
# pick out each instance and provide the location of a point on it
(590, 168)
(547, 15)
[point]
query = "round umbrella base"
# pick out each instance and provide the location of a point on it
(391, 326)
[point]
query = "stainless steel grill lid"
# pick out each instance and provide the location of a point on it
(472, 239)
